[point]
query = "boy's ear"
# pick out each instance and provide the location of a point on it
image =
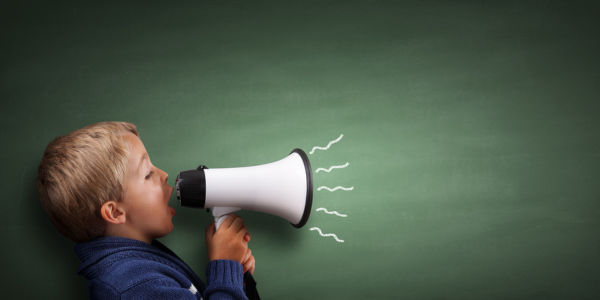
(112, 212)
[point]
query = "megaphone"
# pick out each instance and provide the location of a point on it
(283, 188)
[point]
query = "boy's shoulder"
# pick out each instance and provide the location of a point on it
(118, 265)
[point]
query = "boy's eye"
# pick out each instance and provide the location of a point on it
(149, 174)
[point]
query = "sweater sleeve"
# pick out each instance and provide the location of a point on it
(160, 288)
(225, 280)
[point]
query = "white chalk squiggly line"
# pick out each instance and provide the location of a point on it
(326, 235)
(335, 188)
(333, 167)
(328, 145)
(331, 212)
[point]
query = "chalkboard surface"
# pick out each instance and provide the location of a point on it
(471, 136)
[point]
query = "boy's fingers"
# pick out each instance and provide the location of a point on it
(228, 221)
(249, 265)
(242, 234)
(237, 224)
(247, 256)
(246, 263)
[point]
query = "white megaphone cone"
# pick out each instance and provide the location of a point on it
(283, 188)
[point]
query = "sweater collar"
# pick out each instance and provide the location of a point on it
(95, 250)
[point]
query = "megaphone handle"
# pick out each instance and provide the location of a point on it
(219, 220)
(250, 287)
(220, 214)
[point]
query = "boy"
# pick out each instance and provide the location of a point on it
(101, 190)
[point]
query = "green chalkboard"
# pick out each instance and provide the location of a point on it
(471, 130)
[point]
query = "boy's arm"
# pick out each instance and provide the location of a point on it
(227, 250)
(224, 280)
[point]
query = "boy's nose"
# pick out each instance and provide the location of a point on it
(164, 175)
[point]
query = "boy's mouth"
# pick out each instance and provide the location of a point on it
(171, 209)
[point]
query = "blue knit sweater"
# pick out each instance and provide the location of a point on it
(121, 268)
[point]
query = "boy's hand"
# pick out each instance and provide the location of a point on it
(249, 262)
(230, 241)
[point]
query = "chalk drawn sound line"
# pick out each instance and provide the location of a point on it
(326, 234)
(333, 167)
(328, 145)
(331, 212)
(335, 188)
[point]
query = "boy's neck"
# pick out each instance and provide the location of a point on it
(121, 230)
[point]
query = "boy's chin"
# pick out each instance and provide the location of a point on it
(171, 226)
(165, 232)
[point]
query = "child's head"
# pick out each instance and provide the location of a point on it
(99, 181)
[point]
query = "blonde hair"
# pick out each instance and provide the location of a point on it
(80, 172)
